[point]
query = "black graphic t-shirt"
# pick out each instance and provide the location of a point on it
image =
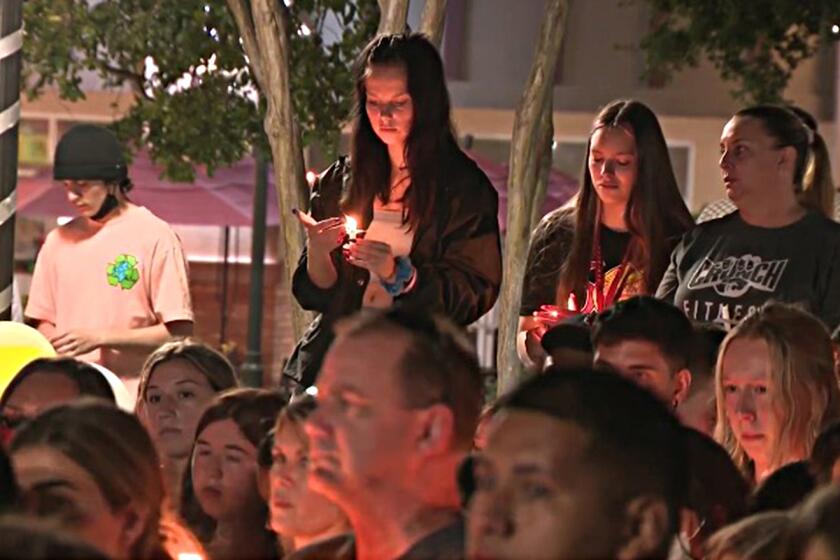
(724, 269)
(549, 248)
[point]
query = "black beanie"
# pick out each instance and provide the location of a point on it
(89, 152)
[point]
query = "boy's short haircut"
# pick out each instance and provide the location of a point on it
(633, 436)
(571, 334)
(647, 319)
(438, 365)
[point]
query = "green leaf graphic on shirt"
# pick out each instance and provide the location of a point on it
(123, 272)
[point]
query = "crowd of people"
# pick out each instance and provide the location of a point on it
(682, 398)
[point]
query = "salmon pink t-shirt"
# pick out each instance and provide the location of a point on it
(127, 273)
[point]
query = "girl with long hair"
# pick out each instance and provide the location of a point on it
(220, 499)
(775, 389)
(177, 381)
(93, 470)
(299, 516)
(613, 239)
(429, 212)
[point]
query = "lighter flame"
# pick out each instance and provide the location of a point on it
(351, 226)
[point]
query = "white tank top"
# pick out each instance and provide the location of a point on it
(386, 227)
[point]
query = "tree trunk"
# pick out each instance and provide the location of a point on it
(546, 140)
(11, 36)
(522, 184)
(393, 15)
(432, 20)
(263, 25)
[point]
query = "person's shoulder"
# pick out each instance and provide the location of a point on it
(557, 226)
(334, 178)
(136, 213)
(447, 543)
(827, 229)
(143, 221)
(715, 226)
(558, 220)
(466, 178)
(338, 168)
(68, 232)
(341, 547)
(823, 222)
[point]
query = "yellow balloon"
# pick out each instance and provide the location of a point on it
(19, 345)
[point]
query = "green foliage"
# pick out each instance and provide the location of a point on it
(197, 103)
(756, 44)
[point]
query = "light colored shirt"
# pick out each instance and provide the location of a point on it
(127, 273)
(386, 227)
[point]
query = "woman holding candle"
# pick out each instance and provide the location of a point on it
(429, 213)
(613, 239)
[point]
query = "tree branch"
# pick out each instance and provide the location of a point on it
(432, 20)
(244, 22)
(393, 18)
(271, 23)
(135, 79)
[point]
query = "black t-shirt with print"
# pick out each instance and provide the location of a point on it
(549, 248)
(726, 267)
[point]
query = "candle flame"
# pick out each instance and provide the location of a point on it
(350, 226)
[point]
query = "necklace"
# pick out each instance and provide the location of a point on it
(604, 300)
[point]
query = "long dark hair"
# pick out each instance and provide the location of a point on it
(656, 214)
(429, 140)
(795, 127)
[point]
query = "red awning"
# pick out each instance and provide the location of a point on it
(225, 199)
(560, 189)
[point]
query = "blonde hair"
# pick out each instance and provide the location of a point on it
(804, 391)
(758, 537)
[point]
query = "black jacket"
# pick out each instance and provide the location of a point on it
(457, 256)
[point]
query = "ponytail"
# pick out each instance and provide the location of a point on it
(817, 185)
(816, 190)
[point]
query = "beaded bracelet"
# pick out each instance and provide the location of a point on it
(403, 273)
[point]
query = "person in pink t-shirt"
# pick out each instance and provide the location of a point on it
(110, 285)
